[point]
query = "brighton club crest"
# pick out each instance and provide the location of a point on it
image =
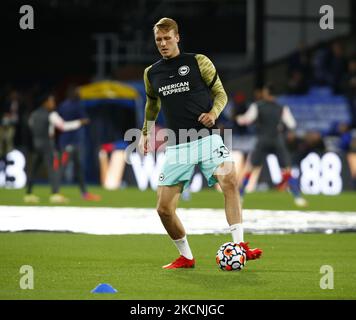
(183, 70)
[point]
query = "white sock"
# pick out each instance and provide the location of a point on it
(237, 231)
(183, 247)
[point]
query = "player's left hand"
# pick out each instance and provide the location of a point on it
(207, 119)
(240, 121)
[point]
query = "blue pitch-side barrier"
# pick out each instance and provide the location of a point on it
(319, 110)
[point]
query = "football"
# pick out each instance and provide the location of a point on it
(231, 256)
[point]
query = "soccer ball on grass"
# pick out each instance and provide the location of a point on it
(231, 256)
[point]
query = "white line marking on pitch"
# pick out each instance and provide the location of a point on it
(143, 220)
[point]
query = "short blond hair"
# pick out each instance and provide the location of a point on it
(166, 24)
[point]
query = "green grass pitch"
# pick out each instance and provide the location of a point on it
(69, 266)
(207, 198)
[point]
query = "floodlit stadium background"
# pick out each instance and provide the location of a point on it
(102, 47)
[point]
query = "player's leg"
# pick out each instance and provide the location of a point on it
(2, 149)
(52, 159)
(2, 144)
(220, 167)
(9, 136)
(37, 160)
(287, 177)
(294, 188)
(256, 159)
(54, 170)
(75, 155)
(32, 170)
(168, 197)
(176, 174)
(246, 178)
(227, 179)
(65, 159)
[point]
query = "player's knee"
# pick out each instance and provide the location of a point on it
(229, 183)
(164, 211)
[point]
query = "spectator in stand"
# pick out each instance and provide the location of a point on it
(8, 122)
(319, 67)
(297, 83)
(299, 61)
(349, 86)
(336, 66)
(345, 137)
(343, 132)
(313, 142)
(299, 69)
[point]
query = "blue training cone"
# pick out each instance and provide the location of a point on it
(104, 288)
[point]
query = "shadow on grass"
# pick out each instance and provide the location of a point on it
(215, 279)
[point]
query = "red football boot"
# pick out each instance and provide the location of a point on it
(91, 197)
(251, 254)
(283, 185)
(181, 262)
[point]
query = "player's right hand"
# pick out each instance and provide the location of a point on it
(84, 121)
(240, 121)
(207, 119)
(144, 145)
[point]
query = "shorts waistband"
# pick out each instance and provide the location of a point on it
(186, 144)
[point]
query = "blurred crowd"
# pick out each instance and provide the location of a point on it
(15, 108)
(327, 66)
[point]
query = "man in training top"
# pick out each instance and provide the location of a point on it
(43, 122)
(191, 95)
(270, 118)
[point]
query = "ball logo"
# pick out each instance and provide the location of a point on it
(183, 70)
(161, 177)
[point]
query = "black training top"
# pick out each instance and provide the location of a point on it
(39, 125)
(269, 120)
(185, 86)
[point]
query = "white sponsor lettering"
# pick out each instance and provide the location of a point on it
(174, 88)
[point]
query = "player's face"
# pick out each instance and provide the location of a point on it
(51, 103)
(265, 94)
(167, 43)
